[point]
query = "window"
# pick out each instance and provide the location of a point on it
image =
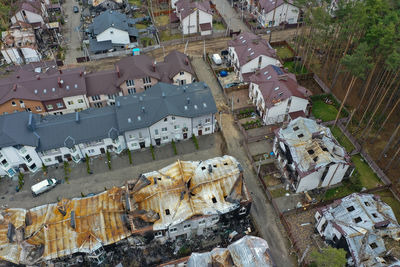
(374, 215)
(357, 220)
(147, 87)
(98, 105)
(181, 73)
(47, 160)
(310, 151)
(373, 245)
(215, 219)
(165, 138)
(324, 226)
(295, 128)
(202, 222)
(367, 203)
(91, 150)
(214, 200)
(207, 129)
(132, 91)
(95, 97)
(28, 109)
(60, 105)
(134, 144)
(208, 120)
(28, 158)
(13, 103)
(140, 135)
(156, 131)
(158, 234)
(173, 118)
(49, 107)
(350, 209)
(22, 150)
(146, 80)
(300, 135)
(21, 102)
(80, 101)
(131, 136)
(186, 226)
(73, 149)
(70, 102)
(111, 32)
(167, 212)
(166, 119)
(242, 210)
(130, 83)
(176, 127)
(173, 230)
(33, 167)
(164, 129)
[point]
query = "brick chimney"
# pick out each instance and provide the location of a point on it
(118, 72)
(154, 66)
(38, 77)
(14, 87)
(60, 82)
(81, 73)
(60, 70)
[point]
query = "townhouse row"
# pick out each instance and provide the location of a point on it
(161, 114)
(47, 90)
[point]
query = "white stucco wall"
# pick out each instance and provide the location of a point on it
(16, 157)
(72, 104)
(115, 35)
(298, 104)
(30, 17)
(310, 181)
(252, 65)
(335, 174)
(283, 13)
(11, 55)
(186, 77)
(30, 54)
(189, 24)
(171, 132)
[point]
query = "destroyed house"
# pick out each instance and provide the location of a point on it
(85, 225)
(187, 197)
(309, 156)
(361, 224)
(249, 251)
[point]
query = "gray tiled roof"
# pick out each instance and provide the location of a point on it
(54, 131)
(96, 46)
(113, 19)
(161, 100)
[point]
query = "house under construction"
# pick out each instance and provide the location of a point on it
(178, 201)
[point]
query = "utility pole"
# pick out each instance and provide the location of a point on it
(204, 50)
(220, 120)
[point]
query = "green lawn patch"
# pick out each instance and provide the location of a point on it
(280, 192)
(140, 26)
(339, 192)
(324, 111)
(284, 52)
(135, 2)
(162, 20)
(295, 68)
(367, 176)
(389, 199)
(341, 138)
(146, 41)
(166, 36)
(218, 26)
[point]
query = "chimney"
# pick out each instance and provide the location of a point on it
(188, 100)
(38, 77)
(186, 61)
(143, 109)
(154, 66)
(81, 73)
(60, 70)
(118, 73)
(60, 82)
(17, 76)
(14, 87)
(77, 117)
(163, 94)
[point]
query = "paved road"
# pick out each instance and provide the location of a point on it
(72, 37)
(262, 211)
(231, 17)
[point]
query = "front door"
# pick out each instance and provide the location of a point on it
(142, 144)
(59, 159)
(184, 135)
(200, 132)
(102, 150)
(24, 167)
(158, 141)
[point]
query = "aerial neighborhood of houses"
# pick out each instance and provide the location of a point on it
(194, 133)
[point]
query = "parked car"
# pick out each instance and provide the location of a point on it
(76, 9)
(217, 59)
(43, 186)
(229, 85)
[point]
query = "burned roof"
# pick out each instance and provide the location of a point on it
(249, 251)
(185, 8)
(60, 229)
(363, 220)
(277, 85)
(43, 86)
(161, 100)
(311, 145)
(249, 46)
(185, 189)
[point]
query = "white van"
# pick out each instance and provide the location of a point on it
(217, 59)
(43, 186)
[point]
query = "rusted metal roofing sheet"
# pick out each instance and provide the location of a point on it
(60, 229)
(188, 188)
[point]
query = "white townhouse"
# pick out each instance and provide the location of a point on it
(33, 12)
(309, 156)
(195, 16)
(157, 116)
(248, 53)
(277, 95)
(272, 13)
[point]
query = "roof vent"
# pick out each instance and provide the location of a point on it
(118, 104)
(205, 85)
(195, 106)
(141, 99)
(269, 77)
(77, 117)
(35, 91)
(67, 87)
(76, 86)
(139, 118)
(143, 109)
(276, 88)
(53, 89)
(38, 77)
(14, 87)
(163, 94)
(186, 107)
(204, 104)
(129, 120)
(73, 223)
(44, 91)
(188, 100)
(31, 124)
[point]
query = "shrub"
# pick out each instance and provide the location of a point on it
(20, 180)
(174, 147)
(130, 156)
(44, 168)
(196, 143)
(82, 194)
(152, 152)
(355, 181)
(87, 164)
(108, 159)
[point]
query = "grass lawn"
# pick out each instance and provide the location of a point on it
(140, 26)
(162, 20)
(166, 36)
(146, 41)
(284, 52)
(135, 2)
(342, 139)
(324, 111)
(368, 178)
(339, 192)
(389, 199)
(295, 69)
(280, 192)
(218, 26)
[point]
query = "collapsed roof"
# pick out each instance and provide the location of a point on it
(185, 189)
(311, 145)
(249, 251)
(363, 220)
(83, 225)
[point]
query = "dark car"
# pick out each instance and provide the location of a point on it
(76, 9)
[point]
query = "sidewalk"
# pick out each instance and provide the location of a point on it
(80, 182)
(230, 16)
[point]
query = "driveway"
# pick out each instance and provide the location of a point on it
(71, 33)
(262, 211)
(231, 17)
